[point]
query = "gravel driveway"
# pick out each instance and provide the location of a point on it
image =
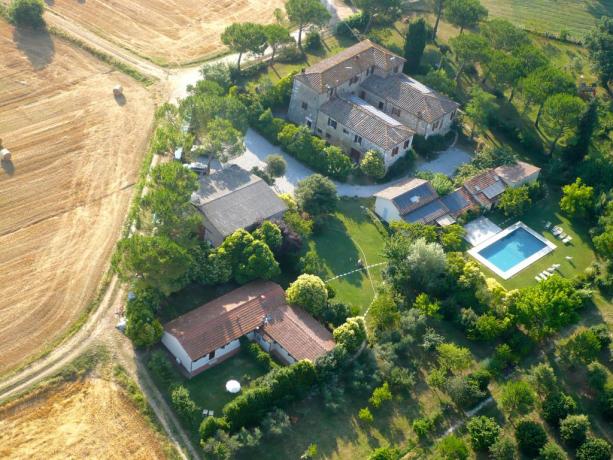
(258, 148)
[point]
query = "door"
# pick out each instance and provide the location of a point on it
(355, 155)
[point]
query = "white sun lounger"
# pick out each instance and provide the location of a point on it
(562, 235)
(567, 240)
(547, 224)
(538, 278)
(556, 231)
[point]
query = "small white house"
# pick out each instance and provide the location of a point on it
(518, 174)
(211, 333)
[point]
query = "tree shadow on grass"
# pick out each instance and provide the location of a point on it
(37, 45)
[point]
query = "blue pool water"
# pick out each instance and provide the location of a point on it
(512, 249)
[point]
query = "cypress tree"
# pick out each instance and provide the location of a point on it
(414, 45)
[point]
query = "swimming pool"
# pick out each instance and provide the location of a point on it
(512, 250)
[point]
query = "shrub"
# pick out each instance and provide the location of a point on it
(531, 437)
(373, 164)
(27, 13)
(211, 425)
(289, 55)
(464, 391)
(269, 233)
(514, 201)
(601, 331)
(308, 292)
(551, 451)
(597, 375)
(278, 387)
(557, 406)
(503, 449)
(183, 404)
(384, 453)
(594, 449)
(158, 364)
(517, 397)
(365, 415)
(275, 165)
(351, 334)
(422, 426)
(316, 195)
(380, 395)
(484, 432)
(264, 360)
(582, 347)
(451, 448)
(313, 41)
(573, 429)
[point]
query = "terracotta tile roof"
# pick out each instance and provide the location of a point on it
(241, 311)
(485, 187)
(347, 64)
(367, 121)
(411, 96)
(512, 174)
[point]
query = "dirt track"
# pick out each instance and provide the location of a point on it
(172, 32)
(92, 418)
(76, 153)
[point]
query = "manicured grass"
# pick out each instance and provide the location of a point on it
(548, 210)
(577, 17)
(208, 389)
(348, 236)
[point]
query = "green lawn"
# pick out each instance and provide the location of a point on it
(349, 236)
(579, 248)
(208, 389)
(575, 16)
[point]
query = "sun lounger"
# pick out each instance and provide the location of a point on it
(567, 240)
(556, 231)
(538, 278)
(562, 235)
(547, 224)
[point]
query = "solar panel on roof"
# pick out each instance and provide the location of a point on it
(494, 190)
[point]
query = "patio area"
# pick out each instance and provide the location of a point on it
(480, 230)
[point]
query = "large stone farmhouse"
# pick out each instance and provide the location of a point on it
(415, 200)
(233, 198)
(359, 99)
(210, 334)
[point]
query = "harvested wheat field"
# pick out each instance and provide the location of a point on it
(90, 418)
(169, 32)
(76, 152)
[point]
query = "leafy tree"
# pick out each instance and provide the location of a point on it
(276, 36)
(442, 184)
(155, 261)
(258, 263)
(505, 70)
(414, 45)
(464, 13)
(578, 147)
(543, 378)
(210, 426)
(222, 141)
(305, 12)
(503, 35)
(543, 83)
(484, 432)
(551, 451)
(517, 397)
(316, 195)
(597, 375)
(28, 13)
(531, 437)
(426, 306)
(275, 165)
(546, 307)
(373, 164)
(594, 449)
(373, 8)
(219, 73)
(557, 406)
(453, 357)
(451, 448)
(582, 347)
(503, 449)
(440, 81)
(337, 164)
(469, 49)
(351, 334)
(212, 267)
(577, 199)
(415, 266)
(244, 38)
(142, 326)
(573, 429)
(383, 314)
(514, 201)
(184, 405)
(599, 43)
(308, 292)
(269, 233)
(480, 108)
(452, 237)
(312, 264)
(561, 115)
(380, 395)
(464, 391)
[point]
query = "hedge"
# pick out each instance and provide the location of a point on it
(279, 387)
(263, 359)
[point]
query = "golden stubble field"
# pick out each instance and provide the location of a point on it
(89, 418)
(171, 32)
(63, 198)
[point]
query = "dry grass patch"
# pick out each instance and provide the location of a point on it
(167, 32)
(63, 198)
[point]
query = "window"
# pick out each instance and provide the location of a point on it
(362, 95)
(381, 105)
(396, 111)
(396, 69)
(406, 144)
(395, 151)
(328, 136)
(357, 139)
(435, 125)
(309, 123)
(319, 130)
(331, 123)
(452, 115)
(354, 80)
(345, 131)
(372, 69)
(305, 106)
(211, 355)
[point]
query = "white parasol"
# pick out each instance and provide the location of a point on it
(233, 386)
